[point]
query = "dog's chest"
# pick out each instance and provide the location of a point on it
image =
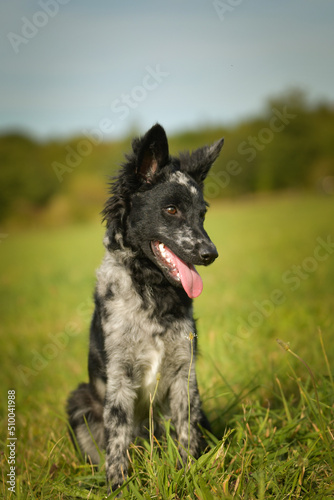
(135, 337)
(141, 347)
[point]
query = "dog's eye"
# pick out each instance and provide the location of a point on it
(171, 210)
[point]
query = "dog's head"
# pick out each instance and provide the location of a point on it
(158, 209)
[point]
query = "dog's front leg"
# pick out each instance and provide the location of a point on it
(118, 423)
(186, 413)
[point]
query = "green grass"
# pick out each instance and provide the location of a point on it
(273, 420)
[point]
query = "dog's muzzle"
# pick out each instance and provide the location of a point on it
(207, 253)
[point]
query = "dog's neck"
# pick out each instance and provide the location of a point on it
(147, 279)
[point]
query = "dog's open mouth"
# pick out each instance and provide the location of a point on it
(178, 270)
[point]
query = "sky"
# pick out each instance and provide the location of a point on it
(107, 67)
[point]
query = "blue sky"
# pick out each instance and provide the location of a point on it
(70, 66)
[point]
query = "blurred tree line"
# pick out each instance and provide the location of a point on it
(289, 146)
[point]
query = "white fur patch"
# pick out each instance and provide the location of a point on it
(100, 387)
(150, 377)
(184, 180)
(180, 178)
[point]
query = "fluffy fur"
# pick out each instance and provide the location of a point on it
(143, 305)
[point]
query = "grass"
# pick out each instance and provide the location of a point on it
(272, 418)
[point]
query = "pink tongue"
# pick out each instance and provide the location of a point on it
(190, 279)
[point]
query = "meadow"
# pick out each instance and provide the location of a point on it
(271, 408)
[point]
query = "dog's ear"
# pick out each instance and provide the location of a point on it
(198, 163)
(152, 153)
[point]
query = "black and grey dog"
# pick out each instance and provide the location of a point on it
(143, 318)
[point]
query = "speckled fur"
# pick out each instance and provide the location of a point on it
(142, 318)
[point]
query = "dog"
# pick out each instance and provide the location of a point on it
(143, 316)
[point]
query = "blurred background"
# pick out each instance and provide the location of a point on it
(79, 79)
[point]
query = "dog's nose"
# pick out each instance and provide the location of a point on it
(208, 254)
